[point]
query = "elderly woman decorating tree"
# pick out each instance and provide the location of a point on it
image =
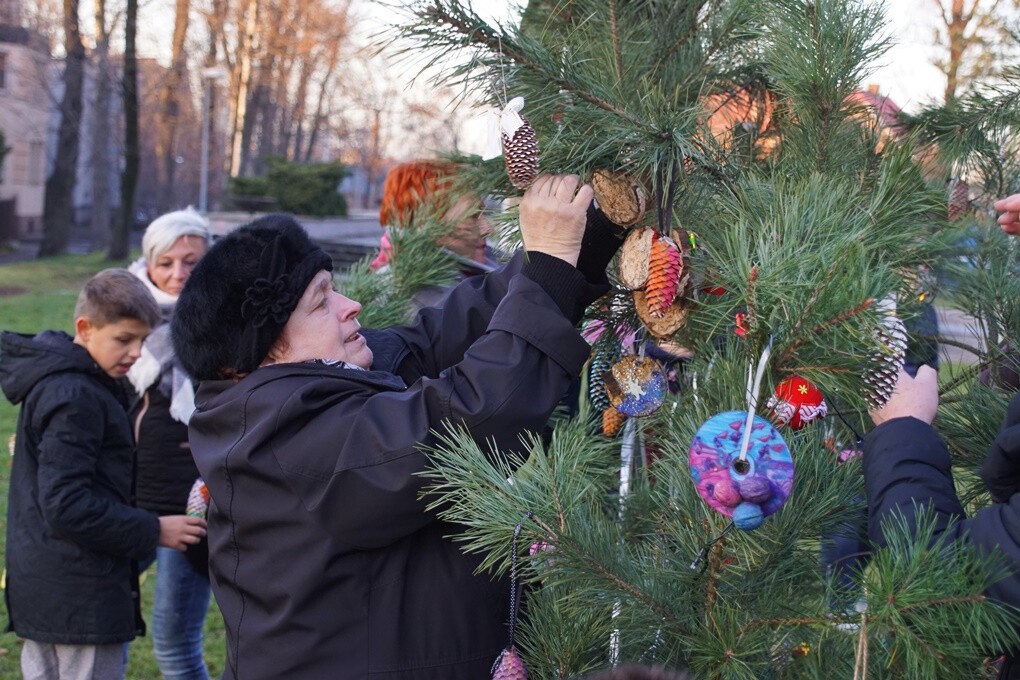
(171, 247)
(308, 431)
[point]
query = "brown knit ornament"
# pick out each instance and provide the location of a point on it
(612, 421)
(665, 269)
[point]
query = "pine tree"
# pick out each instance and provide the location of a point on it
(797, 231)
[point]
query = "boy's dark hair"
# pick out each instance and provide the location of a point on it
(113, 295)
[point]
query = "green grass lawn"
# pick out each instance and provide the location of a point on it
(36, 296)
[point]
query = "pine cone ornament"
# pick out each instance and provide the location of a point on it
(601, 362)
(509, 666)
(661, 327)
(520, 145)
(959, 198)
(665, 268)
(886, 363)
(612, 421)
(198, 499)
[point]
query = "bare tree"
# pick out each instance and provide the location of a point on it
(972, 33)
(120, 243)
(170, 107)
(58, 209)
(101, 161)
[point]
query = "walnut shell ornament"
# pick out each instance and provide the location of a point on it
(620, 198)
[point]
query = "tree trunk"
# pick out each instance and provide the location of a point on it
(120, 244)
(320, 104)
(239, 119)
(100, 227)
(170, 108)
(58, 209)
(957, 44)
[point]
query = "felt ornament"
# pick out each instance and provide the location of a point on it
(620, 198)
(520, 144)
(636, 385)
(796, 402)
(740, 324)
(745, 488)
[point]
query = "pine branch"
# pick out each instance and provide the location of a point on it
(835, 321)
(617, 50)
(480, 34)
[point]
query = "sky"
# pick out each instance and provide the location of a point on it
(905, 74)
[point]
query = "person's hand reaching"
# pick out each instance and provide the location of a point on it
(1009, 219)
(553, 214)
(916, 397)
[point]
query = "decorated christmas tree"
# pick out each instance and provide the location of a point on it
(777, 248)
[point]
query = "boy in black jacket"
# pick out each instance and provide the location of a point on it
(72, 533)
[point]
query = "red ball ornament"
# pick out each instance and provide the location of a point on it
(797, 402)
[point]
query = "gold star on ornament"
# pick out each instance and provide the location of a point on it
(802, 389)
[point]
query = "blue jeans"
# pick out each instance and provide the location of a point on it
(178, 616)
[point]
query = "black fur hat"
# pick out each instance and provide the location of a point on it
(241, 294)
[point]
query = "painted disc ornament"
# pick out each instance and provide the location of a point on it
(797, 402)
(636, 386)
(747, 490)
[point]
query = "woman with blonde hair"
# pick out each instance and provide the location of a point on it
(171, 247)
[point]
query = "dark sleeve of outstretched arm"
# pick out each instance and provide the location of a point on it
(1001, 469)
(906, 467)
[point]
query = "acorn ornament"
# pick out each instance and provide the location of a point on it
(796, 402)
(520, 144)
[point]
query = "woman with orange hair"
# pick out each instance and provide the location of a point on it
(420, 190)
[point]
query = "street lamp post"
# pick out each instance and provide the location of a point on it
(209, 74)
